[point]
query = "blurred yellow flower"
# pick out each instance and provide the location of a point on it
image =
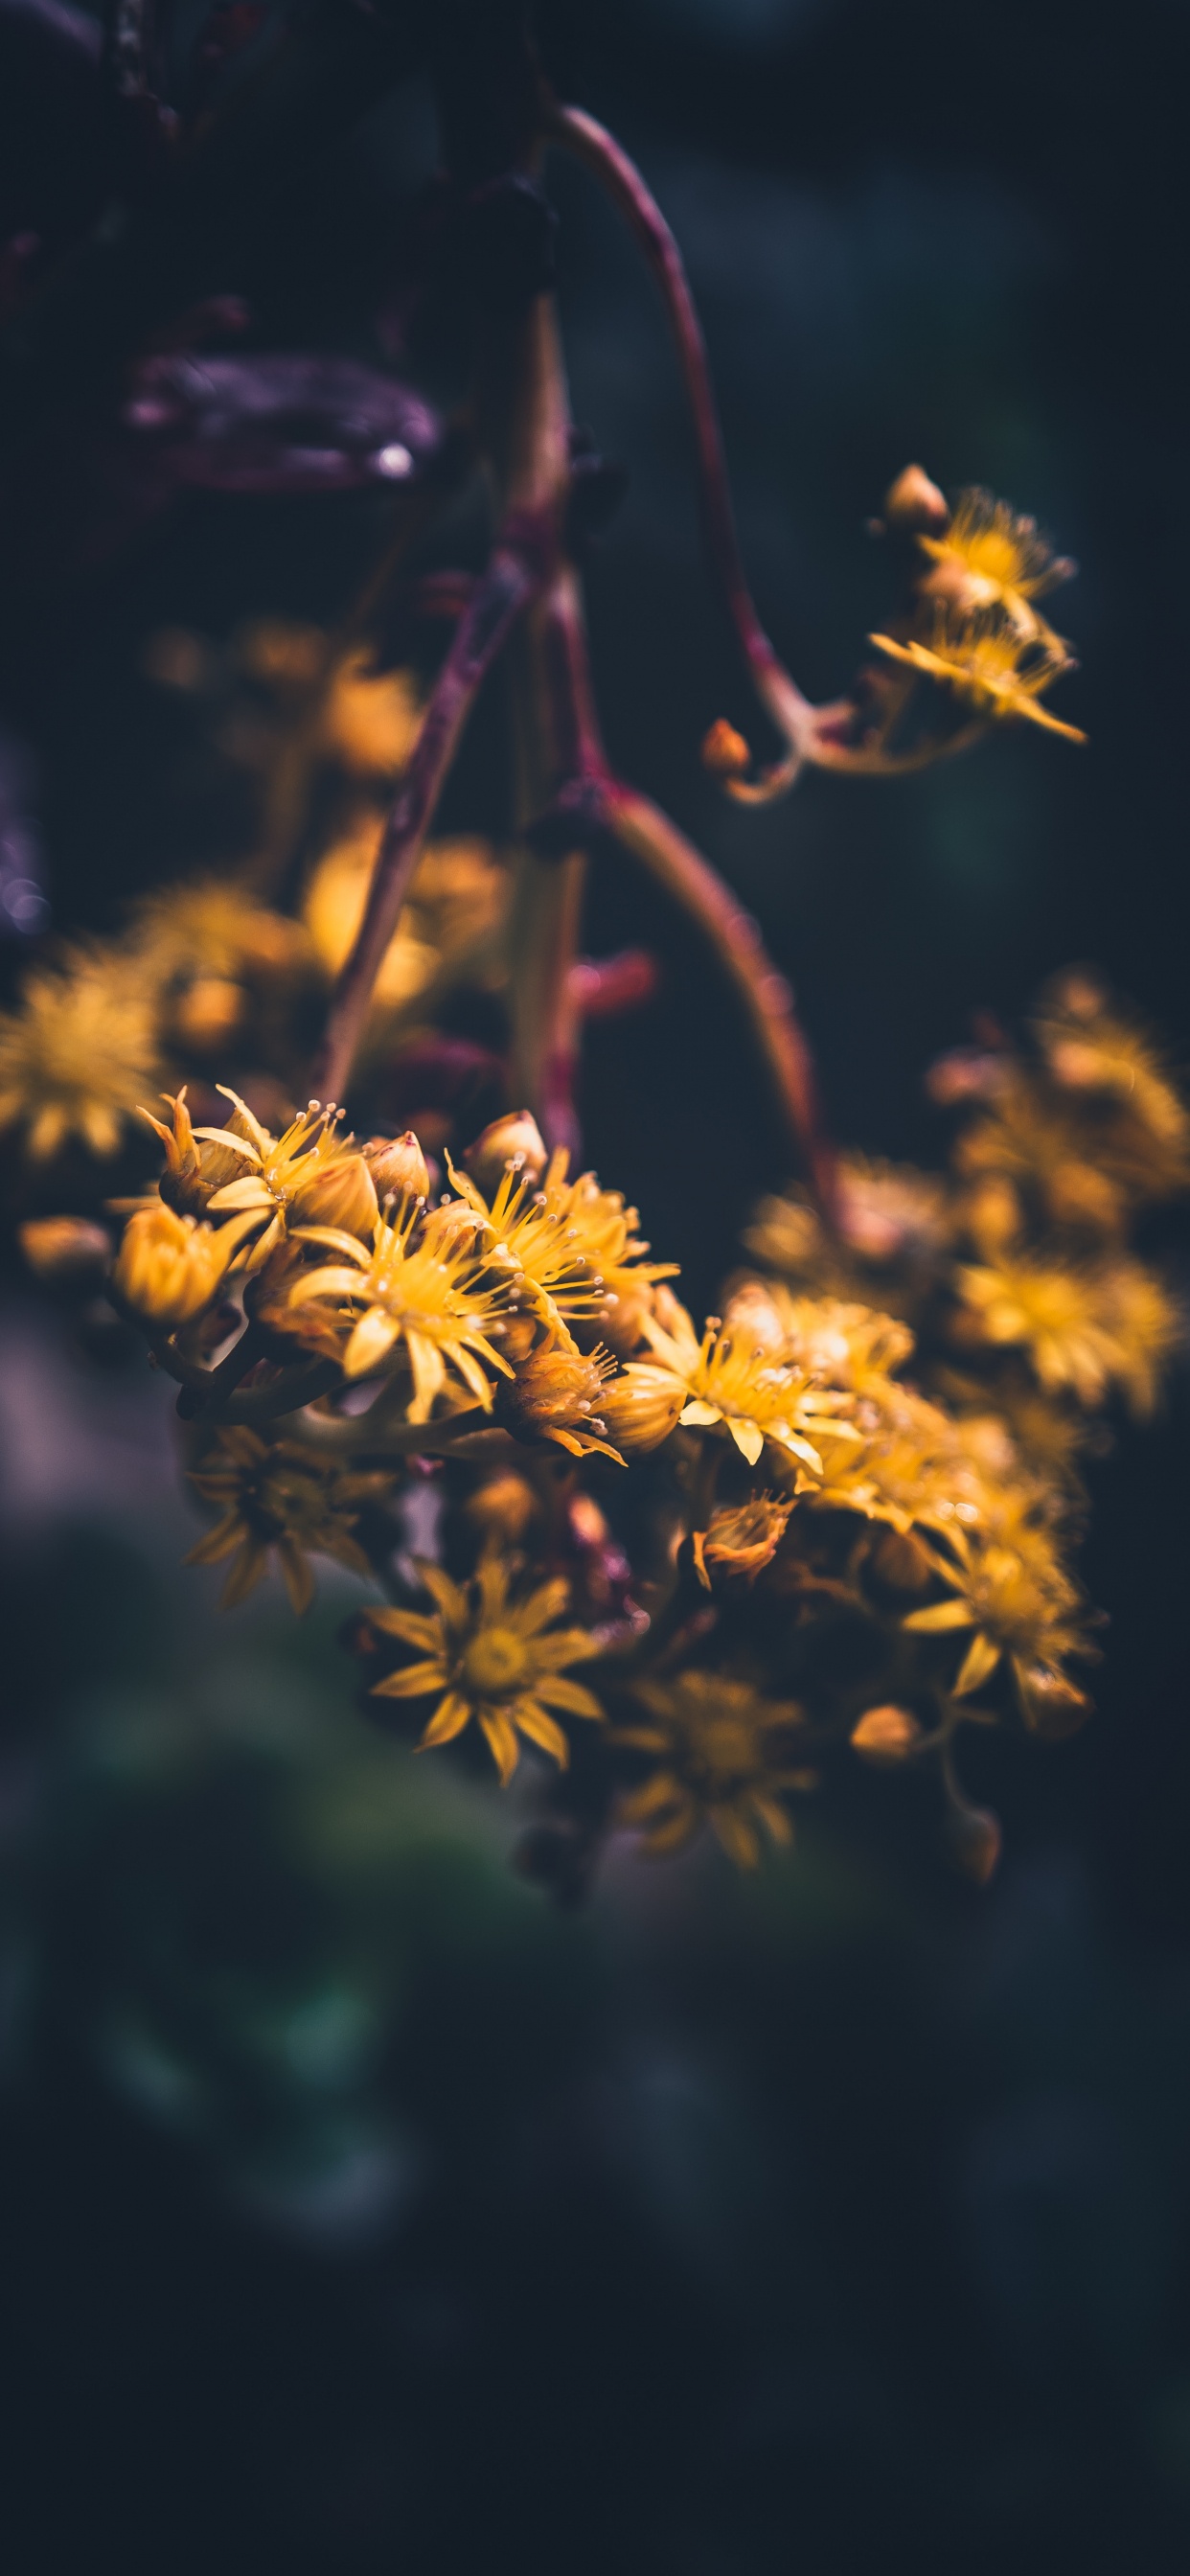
(275, 1495)
(80, 1051)
(497, 1659)
(989, 558)
(986, 662)
(721, 1756)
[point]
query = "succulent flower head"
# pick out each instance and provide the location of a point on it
(492, 1655)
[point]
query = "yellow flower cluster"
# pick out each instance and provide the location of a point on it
(976, 632)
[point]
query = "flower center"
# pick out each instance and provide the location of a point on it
(495, 1664)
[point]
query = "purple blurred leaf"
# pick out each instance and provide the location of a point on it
(272, 423)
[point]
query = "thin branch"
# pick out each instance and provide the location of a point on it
(590, 143)
(686, 875)
(510, 582)
(830, 737)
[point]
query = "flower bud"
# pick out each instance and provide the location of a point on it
(913, 503)
(169, 1267)
(900, 1560)
(641, 1407)
(66, 1251)
(342, 1193)
(993, 1214)
(503, 1508)
(553, 1391)
(398, 1166)
(514, 1139)
(208, 1013)
(725, 752)
(885, 1734)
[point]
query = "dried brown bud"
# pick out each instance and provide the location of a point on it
(725, 752)
(65, 1251)
(742, 1538)
(885, 1734)
(398, 1166)
(514, 1139)
(915, 504)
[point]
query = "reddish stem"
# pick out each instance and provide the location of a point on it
(508, 585)
(679, 867)
(590, 143)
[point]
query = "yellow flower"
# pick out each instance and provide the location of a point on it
(569, 1244)
(720, 1755)
(729, 1382)
(496, 1659)
(454, 913)
(557, 1394)
(334, 909)
(78, 1054)
(169, 1267)
(1085, 1330)
(308, 1176)
(988, 664)
(1015, 1597)
(988, 558)
(852, 1346)
(371, 718)
(198, 1160)
(424, 1296)
(212, 929)
(889, 1211)
(276, 1495)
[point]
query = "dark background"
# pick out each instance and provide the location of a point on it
(357, 2212)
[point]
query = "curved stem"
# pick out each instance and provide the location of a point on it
(830, 737)
(590, 143)
(680, 868)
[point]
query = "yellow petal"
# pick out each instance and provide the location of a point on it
(503, 1745)
(942, 1614)
(542, 1730)
(370, 1343)
(298, 1578)
(410, 1681)
(981, 1658)
(451, 1601)
(570, 1696)
(749, 1439)
(448, 1720)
